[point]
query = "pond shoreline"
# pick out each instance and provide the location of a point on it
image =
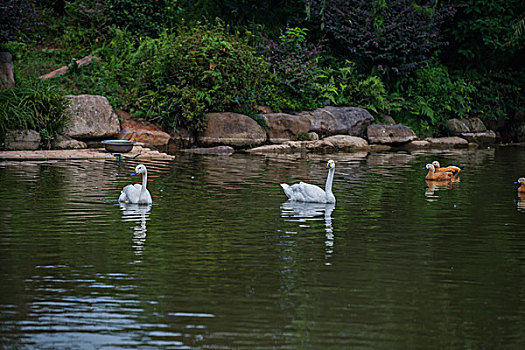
(140, 152)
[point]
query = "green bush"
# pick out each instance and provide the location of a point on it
(483, 34)
(294, 63)
(177, 77)
(344, 86)
(143, 17)
(84, 27)
(498, 93)
(34, 105)
(432, 97)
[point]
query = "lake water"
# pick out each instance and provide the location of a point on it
(221, 260)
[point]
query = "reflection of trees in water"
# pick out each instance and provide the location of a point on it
(304, 213)
(137, 214)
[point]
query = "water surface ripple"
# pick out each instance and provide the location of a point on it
(222, 260)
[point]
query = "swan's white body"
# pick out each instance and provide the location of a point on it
(137, 193)
(303, 192)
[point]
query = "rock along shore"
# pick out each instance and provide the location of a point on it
(327, 129)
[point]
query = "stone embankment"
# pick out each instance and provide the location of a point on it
(138, 152)
(322, 130)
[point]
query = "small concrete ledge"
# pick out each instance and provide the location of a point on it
(138, 152)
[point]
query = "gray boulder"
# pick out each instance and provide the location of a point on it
(329, 144)
(276, 148)
(476, 125)
(388, 134)
(447, 142)
(91, 117)
(330, 121)
(457, 126)
(284, 127)
(347, 142)
(471, 129)
(215, 151)
(416, 145)
(487, 137)
(460, 126)
(231, 129)
(66, 142)
(24, 140)
(181, 138)
(7, 70)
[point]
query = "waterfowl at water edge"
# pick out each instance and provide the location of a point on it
(521, 182)
(437, 176)
(455, 169)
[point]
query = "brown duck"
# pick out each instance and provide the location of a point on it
(437, 176)
(452, 168)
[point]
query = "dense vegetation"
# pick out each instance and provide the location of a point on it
(171, 61)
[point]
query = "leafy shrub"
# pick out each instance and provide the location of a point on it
(177, 77)
(344, 86)
(498, 93)
(270, 13)
(485, 28)
(34, 105)
(87, 14)
(87, 22)
(432, 97)
(294, 62)
(143, 17)
(392, 37)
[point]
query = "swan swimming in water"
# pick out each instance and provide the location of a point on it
(303, 192)
(136, 193)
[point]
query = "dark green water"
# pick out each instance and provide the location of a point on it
(221, 260)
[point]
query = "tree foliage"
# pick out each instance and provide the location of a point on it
(294, 61)
(485, 33)
(413, 59)
(15, 17)
(390, 36)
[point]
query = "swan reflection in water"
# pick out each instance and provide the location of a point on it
(137, 214)
(304, 212)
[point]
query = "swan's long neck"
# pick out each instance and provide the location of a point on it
(144, 181)
(329, 180)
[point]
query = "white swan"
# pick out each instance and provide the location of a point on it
(303, 192)
(136, 193)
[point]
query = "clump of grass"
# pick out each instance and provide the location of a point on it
(35, 105)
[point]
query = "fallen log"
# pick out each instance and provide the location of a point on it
(62, 70)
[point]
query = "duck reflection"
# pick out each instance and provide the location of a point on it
(434, 186)
(304, 212)
(521, 201)
(137, 214)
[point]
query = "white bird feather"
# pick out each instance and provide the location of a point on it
(137, 193)
(304, 192)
